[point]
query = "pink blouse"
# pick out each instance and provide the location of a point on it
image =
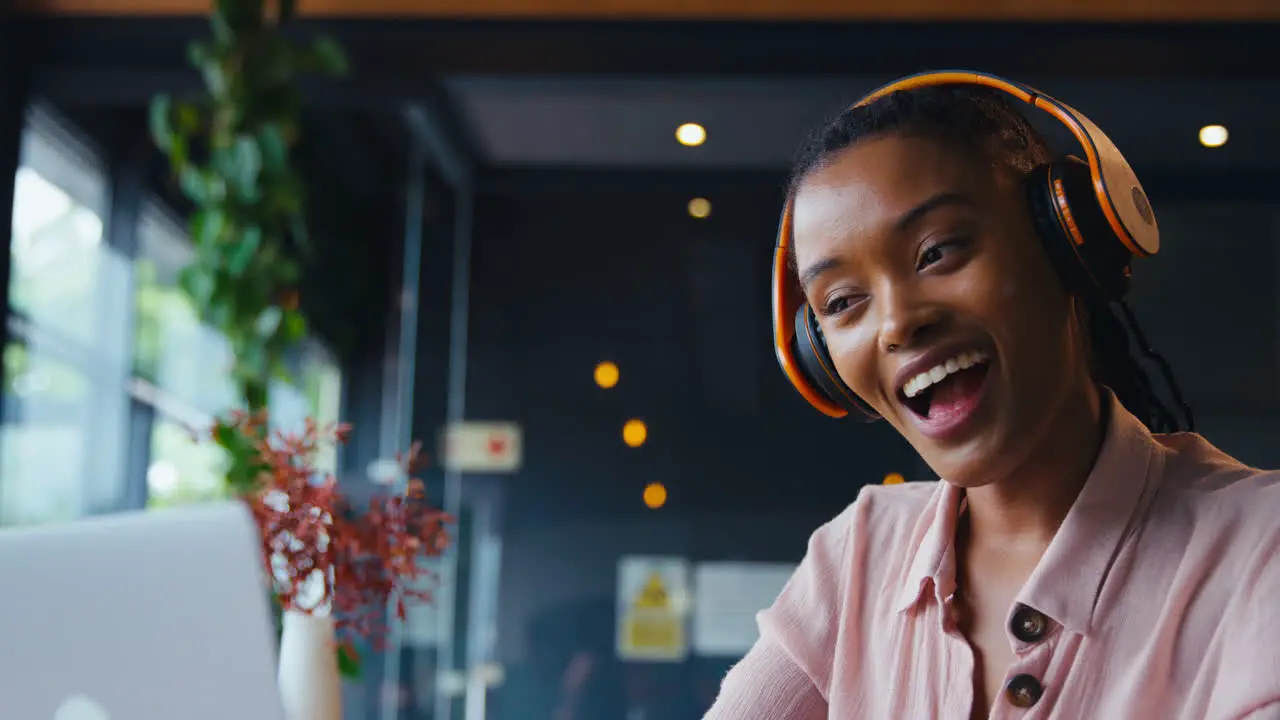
(1157, 599)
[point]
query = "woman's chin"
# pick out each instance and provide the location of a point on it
(980, 461)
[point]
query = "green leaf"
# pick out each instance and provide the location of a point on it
(187, 117)
(200, 54)
(244, 250)
(256, 393)
(240, 164)
(215, 78)
(330, 56)
(269, 321)
(348, 663)
(252, 361)
(201, 186)
(158, 119)
(221, 28)
(273, 148)
(226, 435)
(197, 284)
(207, 227)
(295, 326)
(177, 151)
(220, 314)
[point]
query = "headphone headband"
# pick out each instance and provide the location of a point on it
(1119, 195)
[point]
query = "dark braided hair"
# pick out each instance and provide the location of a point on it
(983, 122)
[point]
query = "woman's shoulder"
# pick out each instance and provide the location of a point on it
(1194, 465)
(1219, 494)
(886, 517)
(880, 507)
(1223, 514)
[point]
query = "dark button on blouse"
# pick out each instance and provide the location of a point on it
(1028, 625)
(1024, 691)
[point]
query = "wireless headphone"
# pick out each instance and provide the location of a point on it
(1091, 215)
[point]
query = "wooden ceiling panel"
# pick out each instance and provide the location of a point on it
(763, 10)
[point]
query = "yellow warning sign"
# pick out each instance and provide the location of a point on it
(653, 596)
(651, 617)
(660, 636)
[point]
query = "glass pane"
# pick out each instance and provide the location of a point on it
(64, 433)
(183, 469)
(172, 348)
(321, 398)
(57, 239)
(44, 438)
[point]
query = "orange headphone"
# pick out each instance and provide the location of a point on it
(1091, 215)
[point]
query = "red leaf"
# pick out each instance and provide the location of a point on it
(307, 525)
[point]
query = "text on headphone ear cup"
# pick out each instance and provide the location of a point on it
(810, 348)
(1080, 243)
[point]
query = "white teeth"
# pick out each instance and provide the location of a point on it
(965, 360)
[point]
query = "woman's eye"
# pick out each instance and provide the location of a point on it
(931, 256)
(838, 304)
(938, 252)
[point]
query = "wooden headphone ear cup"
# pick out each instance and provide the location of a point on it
(810, 349)
(1083, 248)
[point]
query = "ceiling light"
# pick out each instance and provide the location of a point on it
(655, 495)
(691, 134)
(606, 375)
(634, 433)
(699, 208)
(1213, 136)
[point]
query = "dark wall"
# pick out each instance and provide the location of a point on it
(568, 273)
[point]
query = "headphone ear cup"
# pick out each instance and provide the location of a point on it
(810, 348)
(1083, 248)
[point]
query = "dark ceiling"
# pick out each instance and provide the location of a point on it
(583, 250)
(605, 122)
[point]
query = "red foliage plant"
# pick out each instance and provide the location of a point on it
(322, 554)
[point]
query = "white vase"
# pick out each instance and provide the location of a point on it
(310, 687)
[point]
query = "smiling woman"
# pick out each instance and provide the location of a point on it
(940, 268)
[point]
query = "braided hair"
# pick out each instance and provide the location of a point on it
(983, 122)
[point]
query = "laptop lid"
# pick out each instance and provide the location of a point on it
(139, 616)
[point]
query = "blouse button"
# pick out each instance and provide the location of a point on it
(1028, 625)
(1024, 691)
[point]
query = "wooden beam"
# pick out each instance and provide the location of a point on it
(97, 59)
(720, 10)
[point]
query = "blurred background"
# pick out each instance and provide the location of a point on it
(543, 231)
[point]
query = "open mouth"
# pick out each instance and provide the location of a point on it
(948, 389)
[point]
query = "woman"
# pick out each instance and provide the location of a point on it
(1071, 563)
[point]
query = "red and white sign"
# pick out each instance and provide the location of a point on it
(482, 447)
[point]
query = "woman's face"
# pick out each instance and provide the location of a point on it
(938, 304)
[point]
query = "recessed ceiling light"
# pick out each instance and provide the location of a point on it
(691, 134)
(1213, 136)
(655, 495)
(606, 374)
(634, 433)
(699, 208)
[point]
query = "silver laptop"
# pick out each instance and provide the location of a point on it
(141, 616)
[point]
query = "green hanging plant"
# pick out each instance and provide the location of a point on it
(230, 154)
